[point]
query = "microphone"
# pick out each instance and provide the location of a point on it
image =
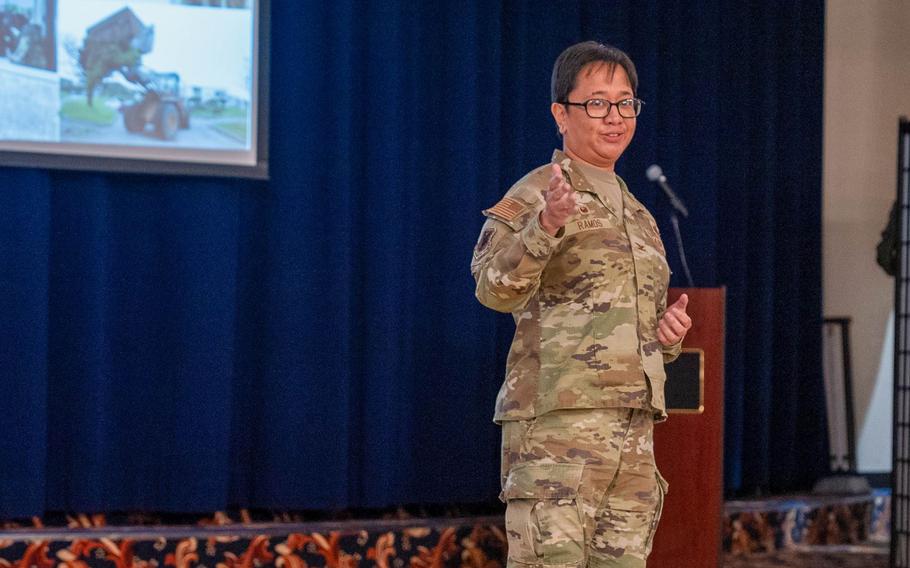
(656, 175)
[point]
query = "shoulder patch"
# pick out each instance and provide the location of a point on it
(484, 242)
(507, 209)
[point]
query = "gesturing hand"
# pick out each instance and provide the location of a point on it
(560, 202)
(675, 322)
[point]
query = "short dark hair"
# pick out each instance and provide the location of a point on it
(571, 61)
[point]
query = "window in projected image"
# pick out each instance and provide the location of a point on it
(153, 80)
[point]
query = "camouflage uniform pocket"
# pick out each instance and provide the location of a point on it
(514, 433)
(664, 488)
(544, 519)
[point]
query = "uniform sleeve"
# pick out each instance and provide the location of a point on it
(508, 262)
(670, 352)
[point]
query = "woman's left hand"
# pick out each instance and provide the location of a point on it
(675, 323)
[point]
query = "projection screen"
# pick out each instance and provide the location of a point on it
(159, 86)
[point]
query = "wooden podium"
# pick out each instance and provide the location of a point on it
(689, 446)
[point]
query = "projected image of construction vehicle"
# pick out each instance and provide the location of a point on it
(160, 106)
(117, 44)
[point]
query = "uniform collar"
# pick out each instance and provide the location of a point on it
(579, 182)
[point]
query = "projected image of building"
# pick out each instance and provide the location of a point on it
(27, 33)
(29, 103)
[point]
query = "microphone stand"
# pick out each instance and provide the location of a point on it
(678, 207)
(674, 220)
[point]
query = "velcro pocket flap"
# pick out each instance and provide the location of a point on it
(543, 481)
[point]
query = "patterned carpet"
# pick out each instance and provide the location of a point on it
(871, 556)
(783, 532)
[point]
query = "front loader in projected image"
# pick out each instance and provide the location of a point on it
(117, 44)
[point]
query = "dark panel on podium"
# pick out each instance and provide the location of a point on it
(685, 389)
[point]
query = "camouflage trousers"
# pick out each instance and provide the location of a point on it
(581, 488)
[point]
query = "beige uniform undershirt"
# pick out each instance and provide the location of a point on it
(605, 185)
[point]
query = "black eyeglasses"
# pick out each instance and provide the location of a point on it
(599, 108)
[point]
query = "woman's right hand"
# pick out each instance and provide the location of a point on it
(560, 202)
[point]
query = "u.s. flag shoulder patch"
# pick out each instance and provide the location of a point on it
(507, 209)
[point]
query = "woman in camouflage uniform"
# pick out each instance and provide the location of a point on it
(579, 263)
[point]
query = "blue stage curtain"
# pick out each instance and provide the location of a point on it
(191, 344)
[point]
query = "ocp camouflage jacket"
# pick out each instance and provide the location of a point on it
(586, 302)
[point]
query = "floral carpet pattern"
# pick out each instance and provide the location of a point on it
(462, 545)
(807, 532)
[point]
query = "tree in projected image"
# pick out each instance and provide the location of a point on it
(116, 43)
